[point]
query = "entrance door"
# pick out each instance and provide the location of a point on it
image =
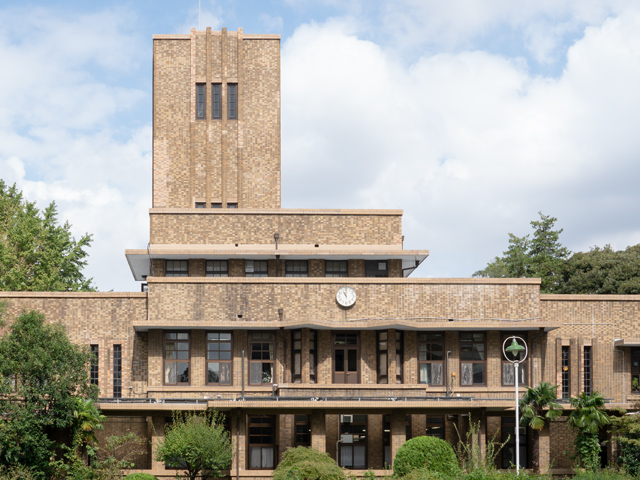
(346, 358)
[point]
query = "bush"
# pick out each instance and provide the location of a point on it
(605, 474)
(16, 472)
(430, 453)
(140, 476)
(305, 463)
(423, 474)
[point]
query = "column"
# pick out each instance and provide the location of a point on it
(318, 431)
(398, 432)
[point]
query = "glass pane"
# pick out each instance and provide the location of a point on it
(478, 351)
(267, 372)
(466, 374)
(353, 360)
(225, 355)
(339, 361)
(383, 364)
(425, 373)
(182, 355)
(225, 373)
(507, 373)
(255, 373)
(170, 372)
(437, 373)
(297, 367)
(478, 373)
(212, 336)
(183, 372)
(213, 372)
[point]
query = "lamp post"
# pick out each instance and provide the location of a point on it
(518, 346)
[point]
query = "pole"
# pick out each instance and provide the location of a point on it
(515, 367)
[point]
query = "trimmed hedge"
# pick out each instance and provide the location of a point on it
(305, 463)
(428, 453)
(140, 476)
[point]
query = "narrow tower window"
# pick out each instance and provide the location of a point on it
(215, 104)
(200, 100)
(232, 97)
(117, 371)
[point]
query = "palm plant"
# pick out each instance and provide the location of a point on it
(587, 418)
(537, 408)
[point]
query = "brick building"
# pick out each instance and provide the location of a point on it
(303, 326)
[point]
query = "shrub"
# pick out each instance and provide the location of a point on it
(16, 472)
(423, 474)
(140, 476)
(305, 463)
(430, 453)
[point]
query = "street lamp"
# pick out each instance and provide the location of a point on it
(518, 346)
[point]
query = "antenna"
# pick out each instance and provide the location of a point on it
(199, 4)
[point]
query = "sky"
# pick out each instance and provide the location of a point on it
(470, 115)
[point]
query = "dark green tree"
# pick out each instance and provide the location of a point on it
(36, 253)
(197, 444)
(41, 375)
(540, 256)
(588, 417)
(626, 432)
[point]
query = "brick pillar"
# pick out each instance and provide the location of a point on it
(286, 437)
(375, 452)
(544, 449)
(318, 431)
(157, 434)
(418, 425)
(239, 442)
(398, 433)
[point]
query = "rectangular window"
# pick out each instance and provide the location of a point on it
(219, 358)
(635, 369)
(93, 373)
(177, 356)
(200, 100)
(509, 450)
(336, 268)
(296, 352)
(587, 370)
(399, 356)
(232, 204)
(508, 372)
(346, 357)
(302, 431)
(375, 268)
(261, 355)
(216, 205)
(217, 268)
(177, 268)
(256, 268)
(566, 378)
(216, 112)
(232, 96)
(353, 454)
(201, 205)
(313, 336)
(117, 371)
(435, 426)
(472, 359)
(383, 357)
(296, 268)
(431, 358)
(262, 441)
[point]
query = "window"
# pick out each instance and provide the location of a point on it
(262, 441)
(472, 359)
(566, 386)
(375, 268)
(508, 372)
(635, 369)
(587, 370)
(431, 358)
(435, 426)
(176, 358)
(93, 373)
(217, 268)
(232, 97)
(296, 268)
(296, 351)
(215, 103)
(177, 268)
(117, 371)
(232, 204)
(256, 268)
(200, 100)
(201, 205)
(399, 358)
(336, 268)
(509, 450)
(313, 337)
(383, 357)
(346, 355)
(216, 205)
(219, 358)
(261, 351)
(353, 454)
(302, 431)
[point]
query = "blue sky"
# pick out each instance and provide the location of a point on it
(471, 115)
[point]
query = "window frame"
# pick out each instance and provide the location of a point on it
(201, 101)
(257, 273)
(345, 347)
(507, 428)
(296, 350)
(166, 361)
(173, 272)
(304, 425)
(435, 422)
(472, 361)
(117, 371)
(232, 101)
(216, 101)
(228, 361)
(262, 361)
(94, 369)
(523, 372)
(291, 270)
(344, 429)
(313, 356)
(635, 369)
(565, 372)
(273, 424)
(587, 362)
(216, 273)
(336, 273)
(430, 340)
(368, 270)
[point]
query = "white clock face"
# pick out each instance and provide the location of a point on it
(346, 296)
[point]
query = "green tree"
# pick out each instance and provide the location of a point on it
(537, 408)
(626, 432)
(36, 253)
(540, 256)
(41, 375)
(197, 444)
(587, 418)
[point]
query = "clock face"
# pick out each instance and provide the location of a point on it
(346, 296)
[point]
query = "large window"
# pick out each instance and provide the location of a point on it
(587, 370)
(376, 268)
(635, 369)
(472, 358)
(232, 97)
(256, 268)
(262, 441)
(176, 358)
(177, 268)
(353, 451)
(296, 268)
(508, 373)
(566, 373)
(346, 356)
(261, 351)
(336, 268)
(302, 431)
(200, 100)
(216, 112)
(219, 358)
(94, 372)
(217, 268)
(383, 356)
(509, 450)
(431, 358)
(435, 426)
(117, 371)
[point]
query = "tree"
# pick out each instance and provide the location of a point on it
(198, 444)
(537, 408)
(305, 462)
(41, 375)
(587, 418)
(37, 254)
(626, 432)
(541, 256)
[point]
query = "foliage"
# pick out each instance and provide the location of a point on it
(605, 474)
(424, 474)
(49, 373)
(303, 463)
(468, 451)
(603, 270)
(587, 418)
(16, 472)
(541, 256)
(626, 431)
(37, 254)
(425, 452)
(197, 444)
(140, 476)
(537, 408)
